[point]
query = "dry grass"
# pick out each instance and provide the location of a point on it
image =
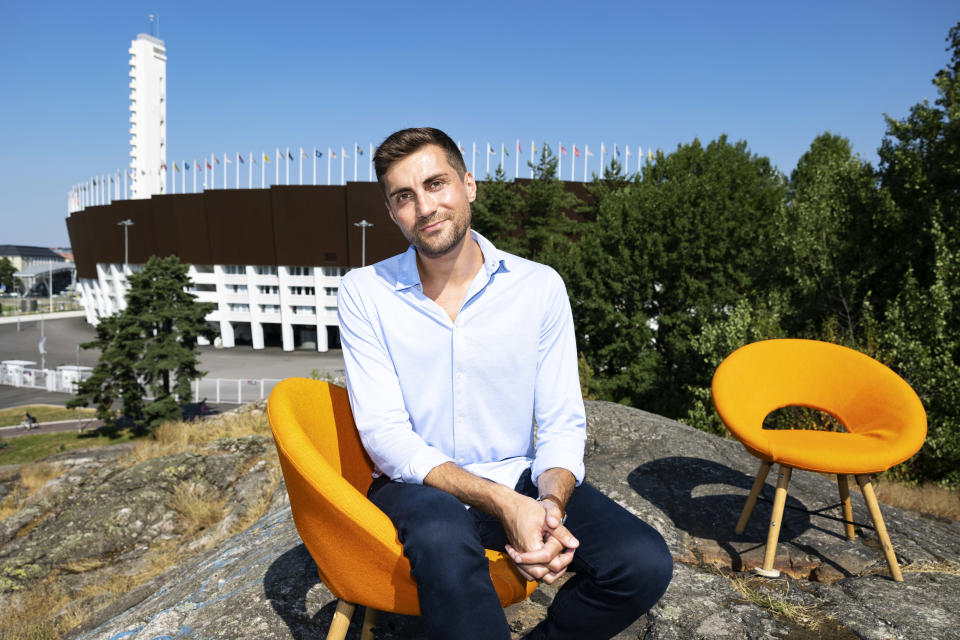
(937, 501)
(34, 476)
(12, 503)
(44, 610)
(199, 507)
(177, 437)
(772, 596)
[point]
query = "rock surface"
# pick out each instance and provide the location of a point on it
(261, 583)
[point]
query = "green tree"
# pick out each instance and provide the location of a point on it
(150, 346)
(668, 255)
(544, 220)
(495, 211)
(6, 274)
(831, 238)
(920, 165)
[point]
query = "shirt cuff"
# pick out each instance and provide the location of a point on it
(421, 464)
(560, 459)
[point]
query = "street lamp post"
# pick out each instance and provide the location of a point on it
(363, 224)
(126, 224)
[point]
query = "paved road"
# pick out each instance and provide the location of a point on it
(64, 334)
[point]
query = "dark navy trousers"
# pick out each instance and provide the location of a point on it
(622, 566)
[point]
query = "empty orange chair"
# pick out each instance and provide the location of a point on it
(884, 420)
(355, 545)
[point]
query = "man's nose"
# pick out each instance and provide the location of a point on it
(427, 204)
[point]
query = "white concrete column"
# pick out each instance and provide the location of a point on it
(256, 326)
(286, 326)
(223, 308)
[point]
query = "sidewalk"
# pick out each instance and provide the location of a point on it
(35, 317)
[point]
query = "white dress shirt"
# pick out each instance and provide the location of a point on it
(425, 390)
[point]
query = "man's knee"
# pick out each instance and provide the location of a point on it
(646, 565)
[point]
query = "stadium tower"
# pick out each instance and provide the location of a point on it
(148, 115)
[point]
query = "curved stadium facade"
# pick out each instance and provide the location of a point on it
(269, 259)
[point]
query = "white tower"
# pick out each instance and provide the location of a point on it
(148, 115)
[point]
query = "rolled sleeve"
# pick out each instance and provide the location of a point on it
(558, 403)
(375, 395)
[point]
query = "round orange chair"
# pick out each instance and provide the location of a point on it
(884, 420)
(355, 545)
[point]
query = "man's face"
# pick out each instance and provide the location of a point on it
(429, 201)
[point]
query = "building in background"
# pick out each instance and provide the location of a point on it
(148, 116)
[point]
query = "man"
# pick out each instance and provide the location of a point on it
(453, 350)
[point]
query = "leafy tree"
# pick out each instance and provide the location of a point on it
(920, 165)
(831, 238)
(150, 346)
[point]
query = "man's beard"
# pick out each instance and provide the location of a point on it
(440, 244)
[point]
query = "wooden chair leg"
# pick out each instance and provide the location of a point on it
(847, 507)
(754, 494)
(871, 499)
(776, 520)
(341, 621)
(369, 622)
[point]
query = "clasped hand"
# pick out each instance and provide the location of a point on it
(540, 546)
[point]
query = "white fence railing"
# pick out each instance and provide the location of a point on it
(213, 390)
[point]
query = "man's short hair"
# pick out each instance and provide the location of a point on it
(402, 143)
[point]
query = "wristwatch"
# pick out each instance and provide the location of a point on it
(555, 500)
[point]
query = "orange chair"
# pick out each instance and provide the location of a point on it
(355, 546)
(884, 420)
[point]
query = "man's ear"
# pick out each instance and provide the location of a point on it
(471, 184)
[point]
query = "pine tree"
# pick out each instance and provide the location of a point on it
(150, 346)
(495, 210)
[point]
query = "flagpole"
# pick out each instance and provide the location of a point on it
(313, 175)
(573, 164)
(250, 171)
(370, 165)
(533, 159)
(356, 153)
(473, 159)
(586, 160)
(488, 160)
(516, 162)
(276, 169)
(343, 180)
(328, 165)
(560, 160)
(602, 151)
(225, 161)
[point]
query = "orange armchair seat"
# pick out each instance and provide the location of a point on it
(884, 420)
(327, 473)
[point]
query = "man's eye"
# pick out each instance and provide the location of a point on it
(436, 184)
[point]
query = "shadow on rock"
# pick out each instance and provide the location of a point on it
(704, 499)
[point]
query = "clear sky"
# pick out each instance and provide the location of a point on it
(245, 76)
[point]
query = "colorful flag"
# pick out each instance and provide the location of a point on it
(240, 158)
(319, 153)
(503, 147)
(197, 164)
(208, 165)
(576, 152)
(533, 146)
(164, 165)
(215, 161)
(227, 159)
(359, 150)
(289, 155)
(650, 154)
(175, 167)
(616, 151)
(186, 166)
(491, 150)
(333, 155)
(303, 154)
(589, 153)
(563, 150)
(519, 148)
(266, 158)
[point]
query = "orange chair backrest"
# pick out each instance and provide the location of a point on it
(327, 473)
(863, 394)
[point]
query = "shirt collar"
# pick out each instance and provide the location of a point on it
(409, 276)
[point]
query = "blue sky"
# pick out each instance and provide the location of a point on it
(255, 75)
